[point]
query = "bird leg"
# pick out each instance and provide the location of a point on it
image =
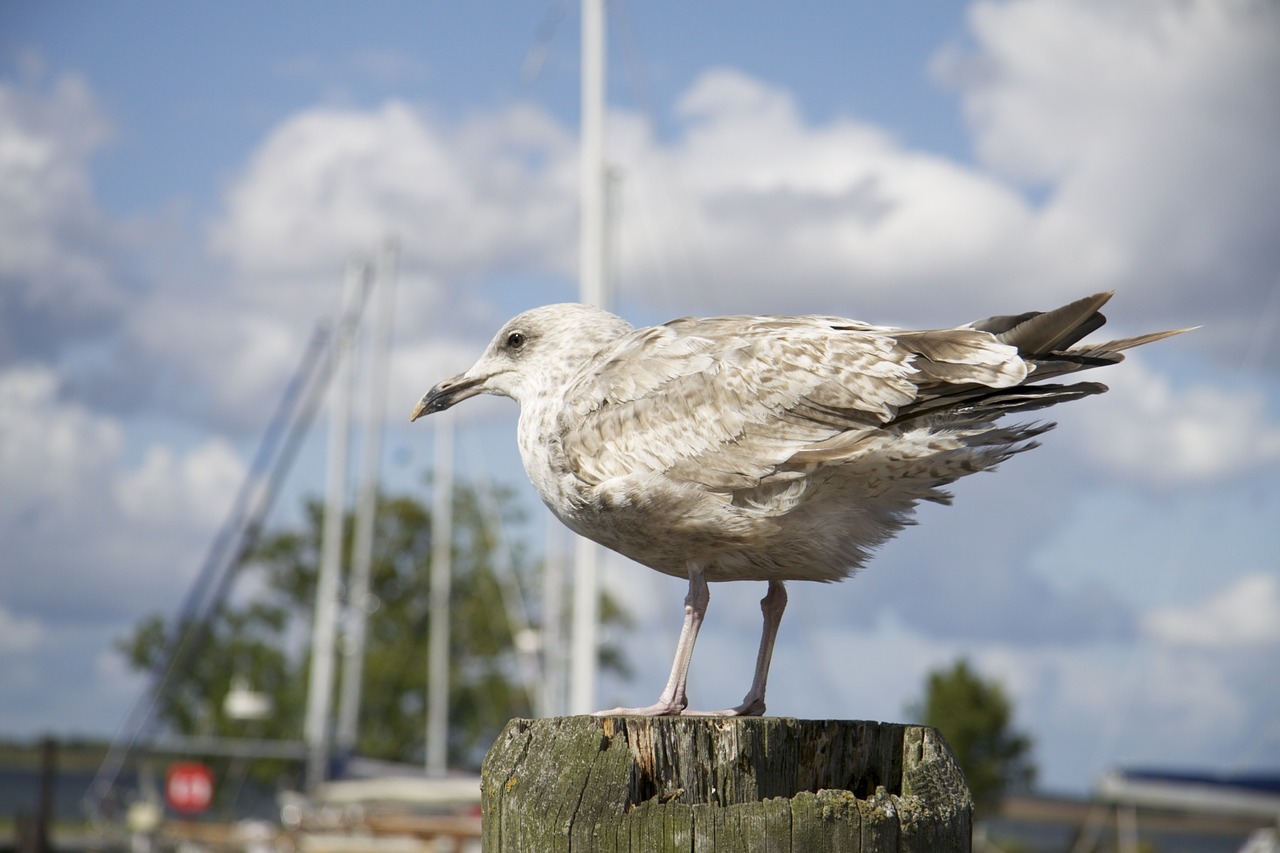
(673, 700)
(772, 605)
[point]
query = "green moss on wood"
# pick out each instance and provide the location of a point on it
(638, 785)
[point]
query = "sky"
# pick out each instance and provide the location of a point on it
(181, 185)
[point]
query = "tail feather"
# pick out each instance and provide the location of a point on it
(1047, 339)
(1043, 332)
(1110, 350)
(1047, 342)
(1091, 355)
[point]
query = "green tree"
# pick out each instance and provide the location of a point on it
(262, 635)
(975, 716)
(244, 642)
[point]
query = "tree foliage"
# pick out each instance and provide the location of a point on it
(262, 635)
(975, 717)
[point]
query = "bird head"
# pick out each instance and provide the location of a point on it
(537, 351)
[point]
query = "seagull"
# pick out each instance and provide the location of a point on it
(767, 448)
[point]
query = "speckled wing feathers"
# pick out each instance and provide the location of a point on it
(726, 403)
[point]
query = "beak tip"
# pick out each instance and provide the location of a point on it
(445, 395)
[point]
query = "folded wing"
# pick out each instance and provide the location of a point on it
(727, 403)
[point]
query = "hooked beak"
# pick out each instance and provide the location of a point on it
(446, 394)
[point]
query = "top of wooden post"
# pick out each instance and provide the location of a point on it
(711, 783)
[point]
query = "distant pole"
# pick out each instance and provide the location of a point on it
(44, 804)
(552, 686)
(594, 288)
(440, 585)
(324, 627)
(367, 506)
(592, 193)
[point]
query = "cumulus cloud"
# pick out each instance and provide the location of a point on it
(169, 486)
(756, 197)
(56, 452)
(1054, 86)
(57, 280)
(222, 362)
(483, 196)
(1151, 125)
(1150, 431)
(1146, 124)
(1146, 127)
(87, 535)
(491, 192)
(1246, 613)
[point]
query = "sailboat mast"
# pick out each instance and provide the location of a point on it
(316, 725)
(594, 291)
(437, 735)
(366, 508)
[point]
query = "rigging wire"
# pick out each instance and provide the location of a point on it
(236, 538)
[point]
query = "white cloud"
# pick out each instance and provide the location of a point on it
(751, 196)
(1246, 613)
(1059, 87)
(1149, 122)
(488, 192)
(1146, 428)
(87, 535)
(56, 270)
(1152, 123)
(172, 487)
(464, 199)
(50, 453)
(45, 139)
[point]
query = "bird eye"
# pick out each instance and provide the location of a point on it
(515, 340)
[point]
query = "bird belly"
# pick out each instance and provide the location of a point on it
(801, 532)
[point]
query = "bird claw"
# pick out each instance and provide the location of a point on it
(753, 708)
(657, 709)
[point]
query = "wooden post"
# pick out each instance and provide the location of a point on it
(33, 832)
(649, 785)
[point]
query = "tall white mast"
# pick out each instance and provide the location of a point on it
(366, 509)
(594, 291)
(324, 627)
(441, 581)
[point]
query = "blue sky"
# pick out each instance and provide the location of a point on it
(193, 90)
(180, 185)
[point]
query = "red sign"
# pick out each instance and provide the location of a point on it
(189, 787)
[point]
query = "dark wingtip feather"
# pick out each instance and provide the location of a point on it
(1060, 328)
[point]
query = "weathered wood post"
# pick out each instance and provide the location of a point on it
(648, 785)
